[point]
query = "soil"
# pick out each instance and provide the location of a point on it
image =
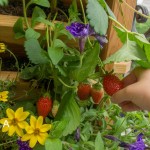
(15, 8)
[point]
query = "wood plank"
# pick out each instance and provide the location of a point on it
(16, 45)
(114, 44)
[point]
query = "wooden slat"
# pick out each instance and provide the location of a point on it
(114, 43)
(7, 35)
(127, 19)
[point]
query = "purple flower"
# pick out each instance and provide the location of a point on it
(77, 135)
(138, 145)
(23, 145)
(82, 31)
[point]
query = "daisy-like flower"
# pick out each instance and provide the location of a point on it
(138, 145)
(36, 132)
(4, 96)
(15, 121)
(2, 47)
(82, 31)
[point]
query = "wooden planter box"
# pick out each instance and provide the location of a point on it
(7, 35)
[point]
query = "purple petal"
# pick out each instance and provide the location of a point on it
(101, 39)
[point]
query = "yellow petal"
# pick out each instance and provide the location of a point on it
(33, 122)
(19, 112)
(10, 113)
(41, 138)
(19, 131)
(4, 92)
(23, 116)
(29, 130)
(39, 122)
(45, 127)
(11, 131)
(2, 121)
(26, 137)
(22, 124)
(5, 128)
(33, 141)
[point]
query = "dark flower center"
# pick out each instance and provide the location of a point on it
(14, 121)
(36, 131)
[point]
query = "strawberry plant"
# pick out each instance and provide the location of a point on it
(76, 111)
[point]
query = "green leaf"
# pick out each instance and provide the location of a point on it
(3, 2)
(69, 110)
(129, 51)
(99, 144)
(56, 54)
(97, 18)
(31, 34)
(44, 3)
(37, 12)
(144, 64)
(18, 28)
(42, 20)
(91, 57)
(58, 128)
(53, 144)
(34, 52)
(107, 8)
(59, 43)
(39, 147)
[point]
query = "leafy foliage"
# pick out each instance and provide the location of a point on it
(97, 18)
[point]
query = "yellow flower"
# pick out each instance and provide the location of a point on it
(36, 132)
(15, 121)
(2, 47)
(4, 96)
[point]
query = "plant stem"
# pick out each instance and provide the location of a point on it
(83, 11)
(25, 14)
(118, 23)
(17, 64)
(7, 142)
(72, 87)
(135, 10)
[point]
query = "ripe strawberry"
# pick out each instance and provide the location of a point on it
(84, 91)
(97, 95)
(112, 84)
(44, 106)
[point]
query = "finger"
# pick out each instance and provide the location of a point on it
(128, 107)
(129, 79)
(129, 93)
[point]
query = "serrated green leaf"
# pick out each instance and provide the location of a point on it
(53, 144)
(56, 54)
(107, 8)
(44, 3)
(87, 69)
(58, 128)
(37, 12)
(44, 21)
(34, 52)
(97, 18)
(129, 51)
(99, 144)
(18, 28)
(59, 43)
(31, 34)
(69, 110)
(61, 70)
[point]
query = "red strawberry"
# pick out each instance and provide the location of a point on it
(112, 84)
(97, 95)
(44, 106)
(84, 91)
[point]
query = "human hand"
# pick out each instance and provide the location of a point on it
(136, 92)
